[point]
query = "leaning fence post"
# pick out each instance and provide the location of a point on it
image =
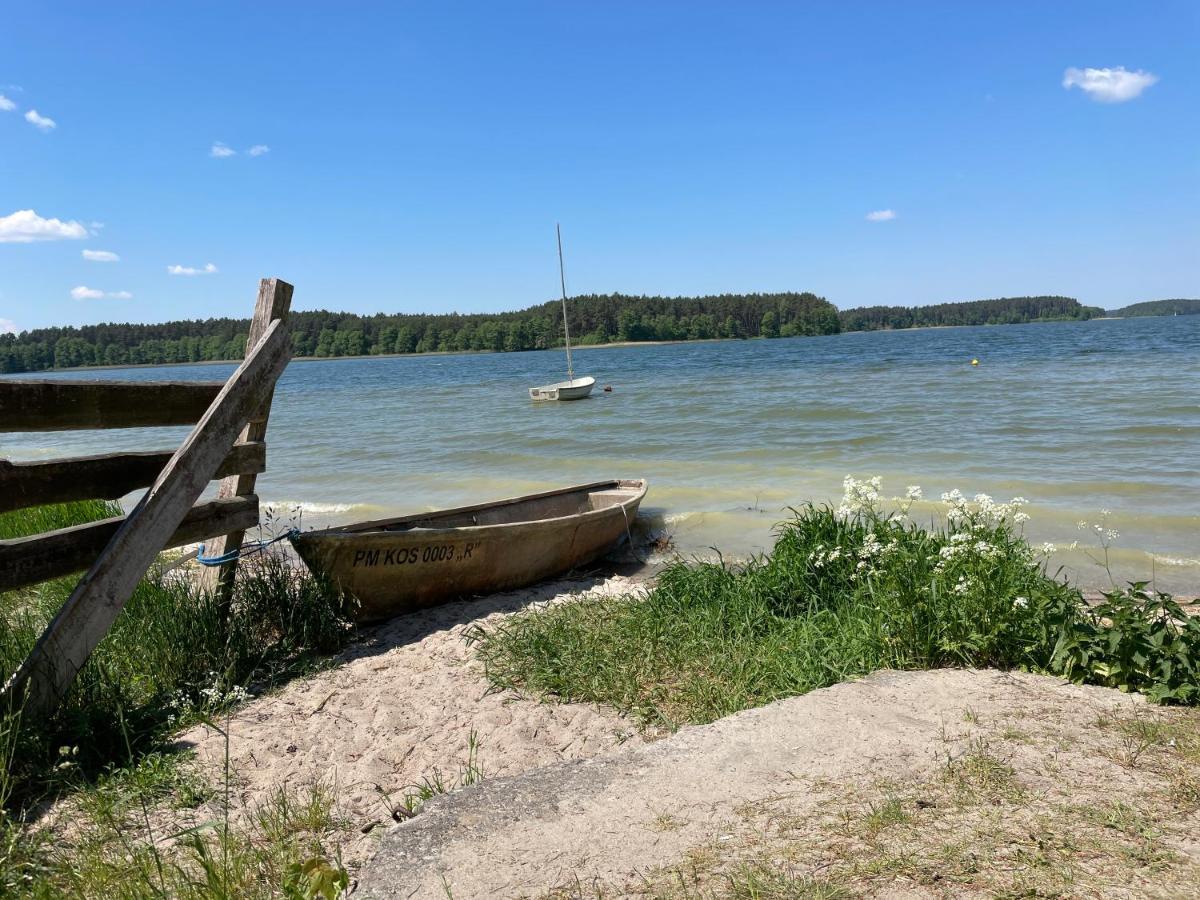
(274, 302)
(67, 642)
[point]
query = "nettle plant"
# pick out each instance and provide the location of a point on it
(1134, 640)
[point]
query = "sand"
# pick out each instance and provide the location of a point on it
(403, 705)
(993, 783)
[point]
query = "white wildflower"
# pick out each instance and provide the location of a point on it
(913, 492)
(870, 547)
(859, 496)
(1021, 602)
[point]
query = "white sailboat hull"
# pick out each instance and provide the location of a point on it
(575, 389)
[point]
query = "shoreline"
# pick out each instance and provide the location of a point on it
(606, 346)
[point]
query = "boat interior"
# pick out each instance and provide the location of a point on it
(527, 509)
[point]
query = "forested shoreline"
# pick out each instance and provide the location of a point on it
(594, 319)
(1178, 307)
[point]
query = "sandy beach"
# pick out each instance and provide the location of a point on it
(400, 705)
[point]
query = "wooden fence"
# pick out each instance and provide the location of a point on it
(227, 441)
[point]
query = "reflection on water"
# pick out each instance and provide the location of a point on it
(1075, 417)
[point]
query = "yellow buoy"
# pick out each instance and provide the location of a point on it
(974, 362)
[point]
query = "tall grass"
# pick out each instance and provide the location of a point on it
(37, 519)
(171, 655)
(844, 592)
(174, 656)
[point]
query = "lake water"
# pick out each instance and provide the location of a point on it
(1076, 417)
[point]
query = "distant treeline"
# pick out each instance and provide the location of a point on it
(1005, 311)
(594, 319)
(1160, 308)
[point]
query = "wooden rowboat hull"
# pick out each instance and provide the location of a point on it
(394, 566)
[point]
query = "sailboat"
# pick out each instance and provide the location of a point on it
(573, 388)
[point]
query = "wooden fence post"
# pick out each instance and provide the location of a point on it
(63, 648)
(274, 302)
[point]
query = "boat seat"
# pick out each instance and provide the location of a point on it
(605, 499)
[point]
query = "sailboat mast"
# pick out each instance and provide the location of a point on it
(562, 277)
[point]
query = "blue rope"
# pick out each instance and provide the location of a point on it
(244, 550)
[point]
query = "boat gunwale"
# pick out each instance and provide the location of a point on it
(581, 382)
(381, 526)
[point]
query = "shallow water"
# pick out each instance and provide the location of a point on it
(1076, 417)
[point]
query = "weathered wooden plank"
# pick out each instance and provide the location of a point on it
(274, 302)
(46, 674)
(107, 476)
(38, 558)
(48, 405)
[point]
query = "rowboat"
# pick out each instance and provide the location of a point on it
(394, 566)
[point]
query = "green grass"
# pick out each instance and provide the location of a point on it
(840, 596)
(171, 656)
(843, 593)
(175, 656)
(38, 519)
(280, 851)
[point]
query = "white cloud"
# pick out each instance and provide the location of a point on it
(25, 226)
(39, 121)
(1109, 85)
(209, 269)
(881, 215)
(86, 293)
(8, 106)
(259, 150)
(220, 150)
(100, 256)
(8, 326)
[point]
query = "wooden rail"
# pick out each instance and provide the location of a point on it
(117, 552)
(69, 405)
(30, 560)
(108, 476)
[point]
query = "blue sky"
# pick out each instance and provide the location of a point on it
(420, 154)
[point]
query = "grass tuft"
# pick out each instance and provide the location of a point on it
(844, 592)
(838, 597)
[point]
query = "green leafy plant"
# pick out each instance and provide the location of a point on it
(1134, 640)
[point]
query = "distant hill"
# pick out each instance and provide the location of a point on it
(1160, 308)
(1003, 311)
